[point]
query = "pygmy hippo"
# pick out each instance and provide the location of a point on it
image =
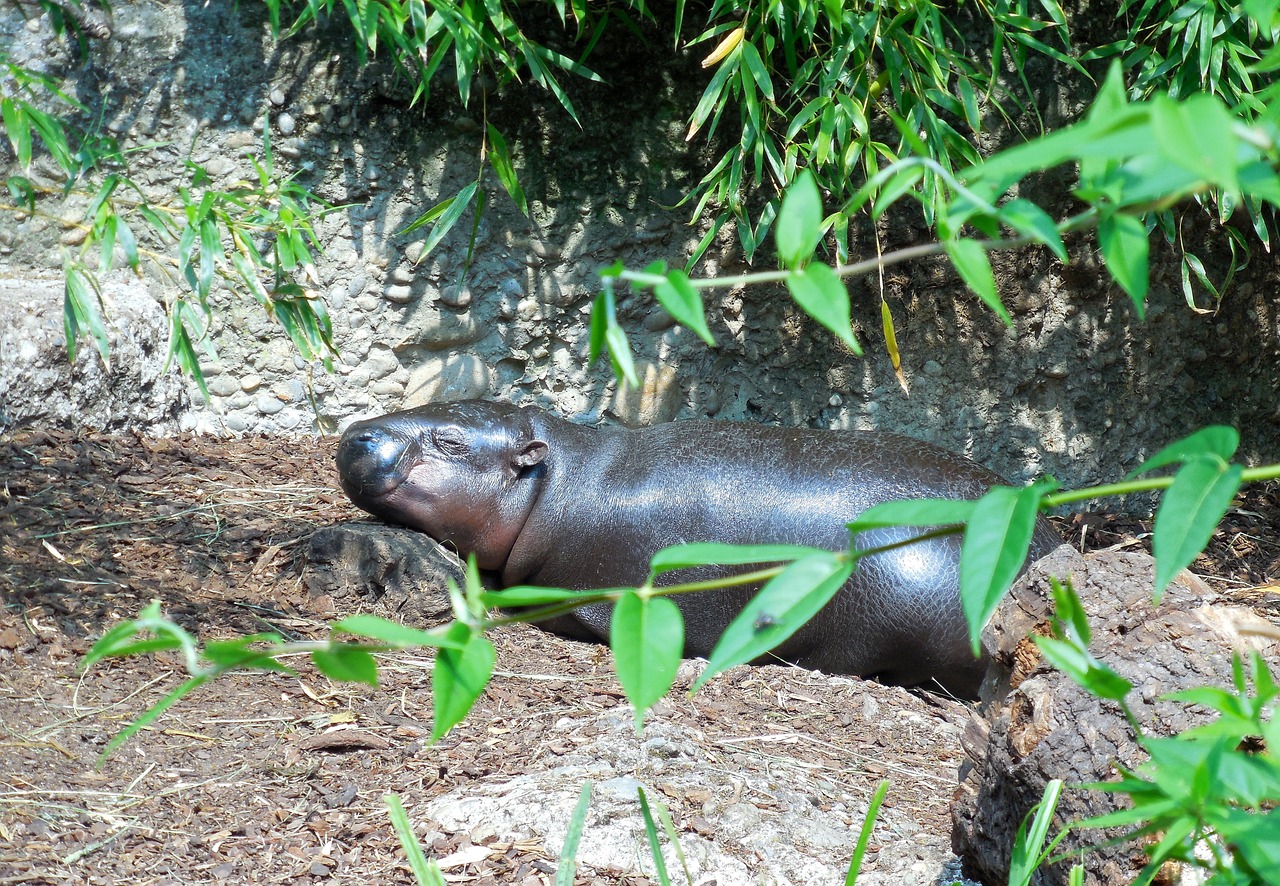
(543, 501)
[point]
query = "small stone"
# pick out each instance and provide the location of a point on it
(236, 422)
(224, 386)
(402, 275)
(932, 367)
(276, 97)
(288, 391)
(399, 295)
(286, 124)
(456, 377)
(250, 383)
(455, 296)
(658, 320)
(543, 251)
(269, 405)
(386, 388)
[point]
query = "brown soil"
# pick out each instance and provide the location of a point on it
(270, 778)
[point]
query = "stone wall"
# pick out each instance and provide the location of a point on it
(1078, 388)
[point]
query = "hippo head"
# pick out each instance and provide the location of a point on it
(464, 473)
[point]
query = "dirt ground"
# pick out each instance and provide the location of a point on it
(269, 778)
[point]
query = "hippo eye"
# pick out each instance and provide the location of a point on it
(450, 441)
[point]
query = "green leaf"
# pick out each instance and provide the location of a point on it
(445, 214)
(822, 295)
(688, 556)
(599, 322)
(500, 160)
(799, 226)
(81, 311)
(1030, 220)
(974, 267)
(1026, 855)
(624, 366)
(711, 96)
(758, 71)
(572, 837)
(527, 595)
(647, 638)
(996, 541)
(346, 662)
(390, 633)
(54, 137)
(1255, 835)
(241, 653)
(1220, 441)
(152, 714)
(864, 834)
(460, 675)
(128, 243)
(210, 252)
(914, 512)
(1189, 512)
(899, 181)
(1199, 135)
(783, 605)
(426, 872)
(107, 246)
(651, 837)
(1124, 249)
(18, 128)
(1069, 610)
(677, 295)
(1083, 668)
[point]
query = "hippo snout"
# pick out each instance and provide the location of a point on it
(372, 461)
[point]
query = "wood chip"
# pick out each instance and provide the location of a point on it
(344, 740)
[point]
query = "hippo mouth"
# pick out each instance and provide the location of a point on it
(373, 465)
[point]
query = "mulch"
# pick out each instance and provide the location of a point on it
(263, 779)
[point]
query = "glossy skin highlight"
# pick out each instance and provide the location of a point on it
(543, 501)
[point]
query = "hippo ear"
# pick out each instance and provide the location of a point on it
(530, 454)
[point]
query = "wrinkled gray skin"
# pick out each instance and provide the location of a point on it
(546, 502)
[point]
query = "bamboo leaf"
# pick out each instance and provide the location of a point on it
(461, 673)
(678, 297)
(996, 541)
(1189, 512)
(1125, 249)
(822, 295)
(348, 663)
(693, 554)
(1217, 441)
(647, 638)
(783, 605)
(973, 265)
(500, 160)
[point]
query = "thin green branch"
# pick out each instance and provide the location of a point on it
(1127, 487)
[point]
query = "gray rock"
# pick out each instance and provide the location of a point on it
(454, 377)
